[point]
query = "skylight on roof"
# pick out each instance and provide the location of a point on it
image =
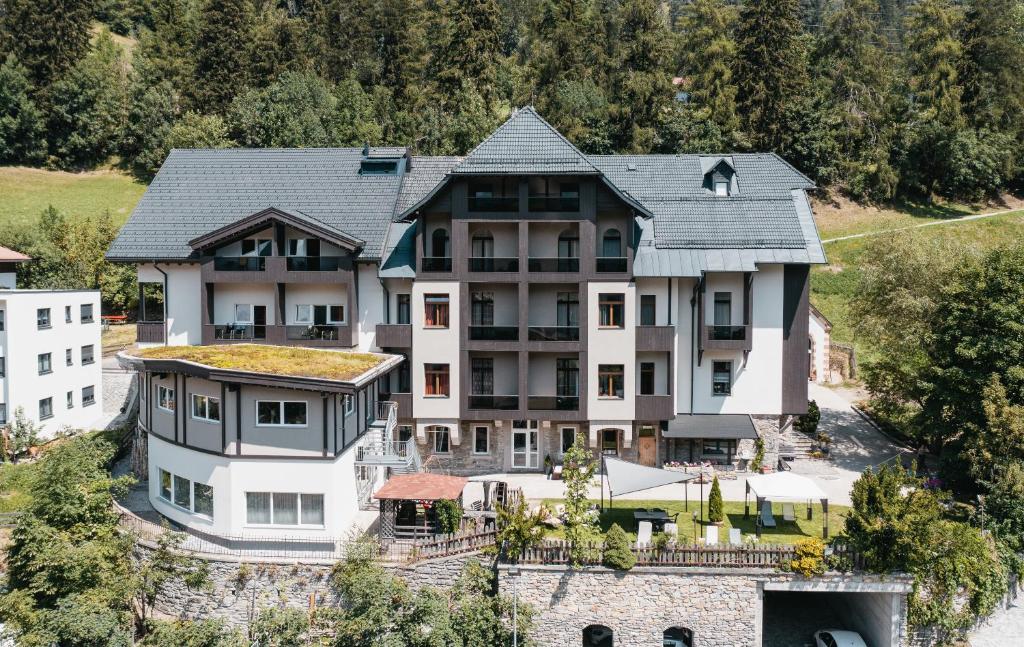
(378, 167)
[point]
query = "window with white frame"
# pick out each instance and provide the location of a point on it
(186, 494)
(481, 439)
(284, 509)
(568, 438)
(205, 407)
(320, 314)
(243, 313)
(88, 354)
(67, 314)
(721, 378)
(165, 398)
(304, 313)
(43, 318)
(71, 399)
(442, 439)
(275, 413)
(350, 404)
(86, 313)
(2, 320)
(45, 362)
(67, 357)
(88, 395)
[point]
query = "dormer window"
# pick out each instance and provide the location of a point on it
(378, 167)
(721, 187)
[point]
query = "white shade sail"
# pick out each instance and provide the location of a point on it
(784, 486)
(625, 477)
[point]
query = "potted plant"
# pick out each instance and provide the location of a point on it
(547, 465)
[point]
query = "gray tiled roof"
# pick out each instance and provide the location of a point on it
(198, 191)
(424, 177)
(525, 144)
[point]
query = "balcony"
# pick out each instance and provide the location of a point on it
(554, 203)
(394, 336)
(654, 338)
(654, 407)
(313, 263)
(611, 264)
(238, 332)
(491, 264)
(240, 263)
(493, 204)
(494, 333)
(553, 402)
(315, 332)
(494, 402)
(726, 337)
(149, 332)
(436, 264)
(554, 333)
(553, 264)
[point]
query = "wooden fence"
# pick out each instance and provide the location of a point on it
(697, 555)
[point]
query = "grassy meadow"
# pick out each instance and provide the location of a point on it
(28, 192)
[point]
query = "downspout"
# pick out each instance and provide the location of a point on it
(693, 340)
(167, 306)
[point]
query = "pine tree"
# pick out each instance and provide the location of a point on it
(22, 127)
(993, 50)
(642, 88)
(278, 46)
(715, 512)
(562, 50)
(933, 58)
(47, 36)
(166, 51)
(771, 71)
(617, 553)
(468, 47)
(341, 40)
(708, 57)
(222, 65)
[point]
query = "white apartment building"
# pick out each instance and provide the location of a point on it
(656, 304)
(50, 356)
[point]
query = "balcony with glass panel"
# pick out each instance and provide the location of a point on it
(554, 248)
(554, 313)
(493, 383)
(495, 195)
(553, 195)
(554, 384)
(493, 247)
(493, 312)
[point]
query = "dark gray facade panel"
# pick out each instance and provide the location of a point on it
(795, 324)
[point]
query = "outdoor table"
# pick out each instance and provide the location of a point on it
(658, 518)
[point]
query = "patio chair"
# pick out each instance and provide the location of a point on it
(788, 513)
(643, 535)
(711, 535)
(767, 520)
(735, 538)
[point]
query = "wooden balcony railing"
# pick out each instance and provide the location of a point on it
(149, 332)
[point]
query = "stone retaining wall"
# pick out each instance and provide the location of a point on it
(239, 590)
(723, 607)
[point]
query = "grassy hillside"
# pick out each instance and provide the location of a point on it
(27, 192)
(833, 286)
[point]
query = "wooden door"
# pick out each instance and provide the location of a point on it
(647, 447)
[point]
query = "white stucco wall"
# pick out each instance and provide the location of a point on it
(819, 359)
(370, 305)
(611, 346)
(21, 343)
(232, 477)
(183, 299)
(227, 295)
(435, 346)
(314, 294)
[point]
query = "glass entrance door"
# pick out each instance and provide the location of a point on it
(525, 446)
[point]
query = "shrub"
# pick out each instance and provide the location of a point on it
(519, 529)
(617, 553)
(810, 557)
(808, 423)
(715, 513)
(449, 515)
(755, 465)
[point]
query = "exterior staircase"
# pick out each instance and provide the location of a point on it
(381, 449)
(793, 444)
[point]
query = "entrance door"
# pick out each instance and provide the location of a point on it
(610, 442)
(647, 447)
(259, 322)
(525, 447)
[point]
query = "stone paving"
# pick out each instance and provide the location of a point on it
(1005, 627)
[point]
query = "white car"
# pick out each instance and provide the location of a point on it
(838, 638)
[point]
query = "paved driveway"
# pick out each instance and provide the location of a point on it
(1005, 627)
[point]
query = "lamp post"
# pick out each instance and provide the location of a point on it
(513, 572)
(694, 526)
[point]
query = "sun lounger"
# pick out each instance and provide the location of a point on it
(735, 538)
(767, 520)
(672, 532)
(788, 513)
(643, 535)
(711, 535)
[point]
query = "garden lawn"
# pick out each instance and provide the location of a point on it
(28, 192)
(786, 532)
(833, 286)
(117, 338)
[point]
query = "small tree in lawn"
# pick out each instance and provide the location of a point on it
(22, 434)
(578, 474)
(715, 513)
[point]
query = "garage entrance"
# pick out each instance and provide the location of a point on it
(793, 611)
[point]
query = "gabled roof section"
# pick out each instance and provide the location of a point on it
(424, 177)
(8, 255)
(261, 219)
(527, 145)
(198, 191)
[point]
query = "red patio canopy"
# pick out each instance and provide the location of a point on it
(422, 487)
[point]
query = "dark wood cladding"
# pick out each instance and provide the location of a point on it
(795, 324)
(655, 407)
(707, 343)
(275, 271)
(655, 338)
(394, 336)
(150, 332)
(404, 402)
